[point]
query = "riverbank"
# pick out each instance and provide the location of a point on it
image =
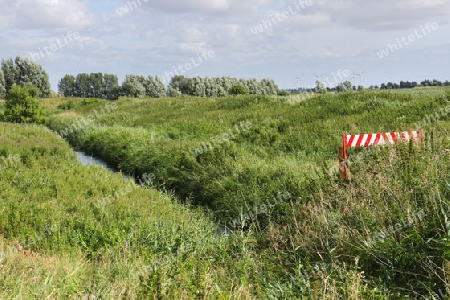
(289, 150)
(143, 244)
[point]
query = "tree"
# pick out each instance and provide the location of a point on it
(221, 92)
(320, 87)
(238, 89)
(344, 87)
(243, 82)
(155, 88)
(253, 87)
(22, 105)
(173, 92)
(268, 87)
(133, 86)
(227, 83)
(30, 73)
(96, 85)
(199, 87)
(82, 86)
(111, 88)
(9, 73)
(177, 82)
(2, 85)
(210, 87)
(66, 86)
(426, 82)
(283, 93)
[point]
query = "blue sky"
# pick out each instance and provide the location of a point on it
(250, 39)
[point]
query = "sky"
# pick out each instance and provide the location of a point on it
(295, 43)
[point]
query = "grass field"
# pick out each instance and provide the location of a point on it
(258, 165)
(56, 242)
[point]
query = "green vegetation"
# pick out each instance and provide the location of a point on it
(22, 106)
(238, 90)
(256, 164)
(57, 243)
(106, 86)
(23, 72)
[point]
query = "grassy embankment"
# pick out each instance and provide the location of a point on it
(329, 239)
(56, 242)
(289, 149)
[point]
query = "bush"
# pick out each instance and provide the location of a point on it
(344, 87)
(22, 106)
(238, 90)
(283, 93)
(67, 105)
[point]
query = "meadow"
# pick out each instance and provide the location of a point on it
(258, 167)
(57, 243)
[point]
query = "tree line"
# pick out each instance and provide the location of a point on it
(348, 86)
(23, 72)
(106, 86)
(410, 85)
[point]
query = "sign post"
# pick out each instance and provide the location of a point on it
(371, 139)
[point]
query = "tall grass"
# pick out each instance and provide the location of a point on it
(323, 241)
(56, 243)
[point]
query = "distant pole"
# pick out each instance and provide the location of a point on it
(299, 80)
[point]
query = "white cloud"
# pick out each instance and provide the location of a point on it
(52, 15)
(155, 35)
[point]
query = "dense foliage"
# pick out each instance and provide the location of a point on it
(383, 234)
(62, 235)
(95, 85)
(265, 167)
(23, 71)
(22, 105)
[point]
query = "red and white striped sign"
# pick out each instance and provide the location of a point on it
(364, 140)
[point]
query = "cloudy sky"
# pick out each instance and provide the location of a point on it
(384, 40)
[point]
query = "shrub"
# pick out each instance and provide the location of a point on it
(67, 105)
(238, 90)
(22, 105)
(344, 87)
(283, 93)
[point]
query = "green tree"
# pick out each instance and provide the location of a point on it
(199, 87)
(155, 88)
(227, 83)
(320, 87)
(160, 87)
(133, 86)
(9, 72)
(66, 86)
(22, 105)
(30, 73)
(221, 92)
(111, 87)
(344, 87)
(173, 92)
(211, 87)
(82, 86)
(2, 85)
(238, 89)
(96, 85)
(283, 93)
(188, 87)
(177, 82)
(253, 87)
(268, 87)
